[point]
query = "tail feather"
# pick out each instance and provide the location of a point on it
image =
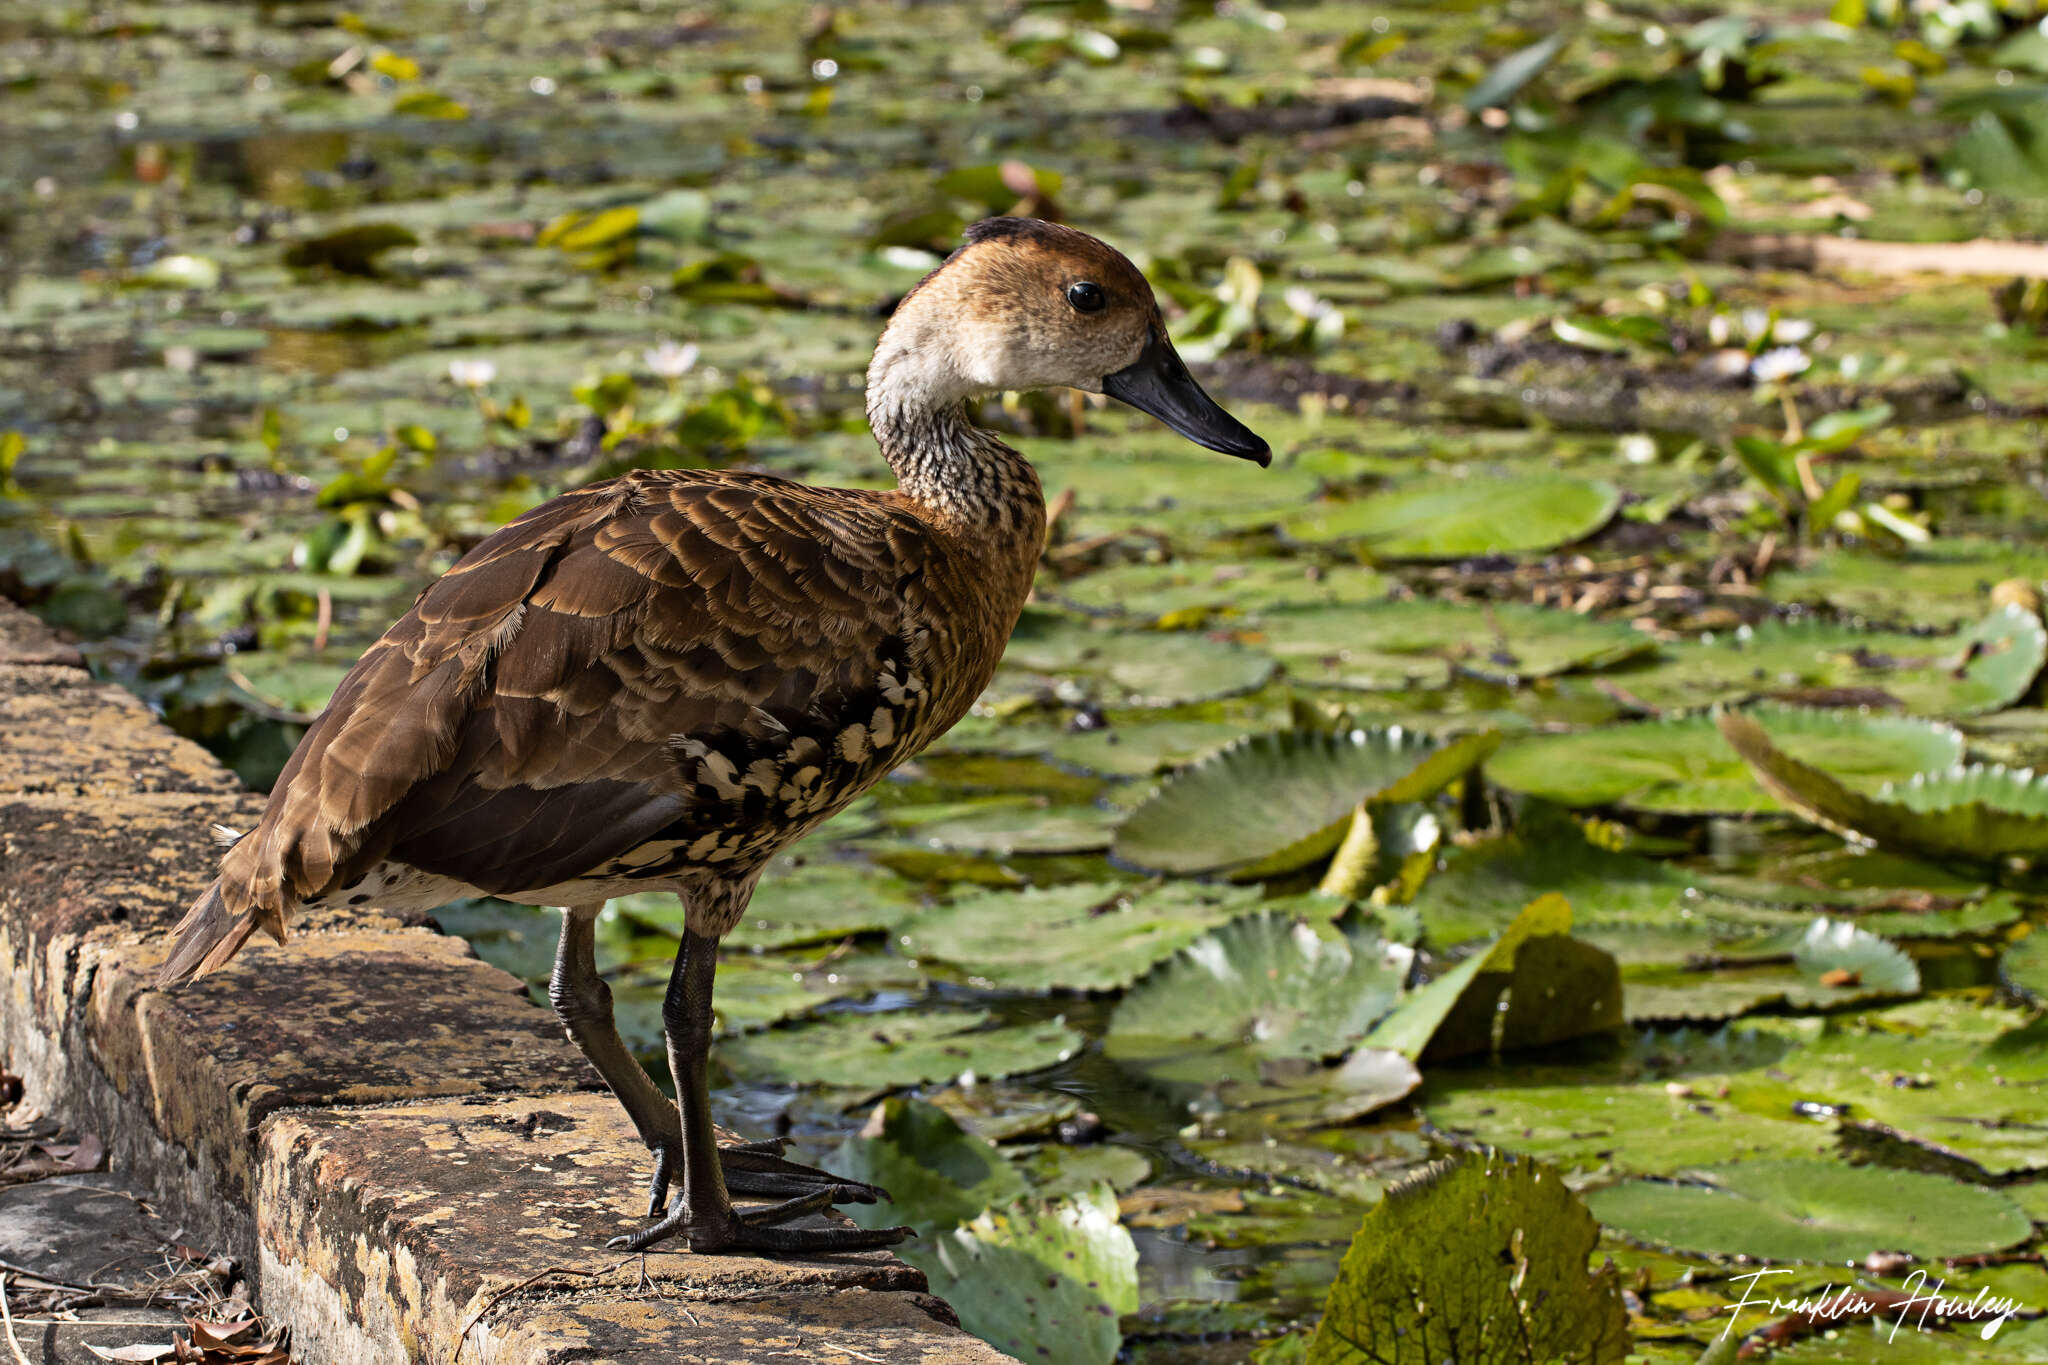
(208, 936)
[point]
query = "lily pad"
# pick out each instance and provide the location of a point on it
(1554, 987)
(887, 1051)
(937, 1174)
(1295, 1093)
(1922, 1073)
(1007, 828)
(1139, 748)
(1479, 1258)
(1482, 884)
(1940, 583)
(1083, 936)
(1264, 987)
(1278, 802)
(1396, 645)
(1136, 668)
(799, 901)
(1977, 812)
(1812, 1211)
(1056, 1169)
(1046, 1281)
(1459, 518)
(1004, 1111)
(1833, 963)
(2025, 964)
(1351, 1163)
(1988, 666)
(1175, 668)
(1188, 593)
(1682, 767)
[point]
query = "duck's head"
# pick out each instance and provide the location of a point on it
(1032, 305)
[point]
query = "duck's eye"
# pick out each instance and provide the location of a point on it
(1086, 296)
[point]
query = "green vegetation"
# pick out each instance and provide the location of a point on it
(1606, 738)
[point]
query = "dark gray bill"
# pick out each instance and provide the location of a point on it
(1159, 384)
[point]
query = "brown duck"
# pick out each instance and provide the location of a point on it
(654, 683)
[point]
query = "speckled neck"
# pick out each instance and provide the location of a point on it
(961, 474)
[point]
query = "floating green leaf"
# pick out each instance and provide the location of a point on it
(1976, 812)
(799, 901)
(1833, 963)
(1682, 767)
(1266, 987)
(1055, 1169)
(2025, 964)
(936, 1173)
(1187, 593)
(1461, 518)
(1481, 1258)
(1045, 1281)
(1174, 669)
(1988, 666)
(1003, 829)
(1554, 986)
(1137, 668)
(1274, 803)
(1925, 1073)
(1812, 1211)
(886, 1051)
(1082, 936)
(1404, 644)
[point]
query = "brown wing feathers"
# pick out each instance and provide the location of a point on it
(654, 657)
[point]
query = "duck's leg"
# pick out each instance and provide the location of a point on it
(583, 1002)
(703, 1213)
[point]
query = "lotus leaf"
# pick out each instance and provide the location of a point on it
(1264, 987)
(1940, 583)
(1833, 962)
(1083, 936)
(875, 1052)
(1977, 812)
(1554, 988)
(937, 1174)
(1055, 1169)
(1682, 767)
(1190, 592)
(1006, 828)
(1988, 666)
(1917, 1073)
(1793, 1210)
(1046, 1280)
(1459, 518)
(1136, 668)
(2025, 964)
(1274, 803)
(1478, 1258)
(1394, 645)
(798, 901)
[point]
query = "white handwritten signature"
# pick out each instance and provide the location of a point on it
(1919, 1304)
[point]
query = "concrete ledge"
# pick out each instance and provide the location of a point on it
(404, 1148)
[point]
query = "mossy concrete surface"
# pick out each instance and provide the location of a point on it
(401, 1143)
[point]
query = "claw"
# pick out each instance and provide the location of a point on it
(762, 1229)
(666, 1160)
(759, 1169)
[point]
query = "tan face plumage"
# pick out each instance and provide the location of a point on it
(1044, 306)
(1033, 305)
